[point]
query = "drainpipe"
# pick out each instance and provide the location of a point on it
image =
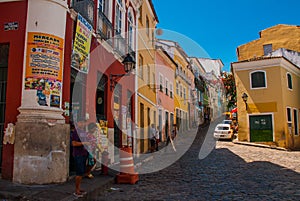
(135, 134)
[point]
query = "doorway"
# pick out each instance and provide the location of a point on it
(4, 50)
(117, 118)
(142, 127)
(167, 125)
(101, 97)
(261, 128)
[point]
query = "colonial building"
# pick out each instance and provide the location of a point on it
(165, 71)
(182, 83)
(201, 92)
(267, 81)
(216, 99)
(61, 61)
(270, 39)
(146, 95)
(268, 100)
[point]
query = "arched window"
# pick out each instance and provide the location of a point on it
(119, 14)
(258, 79)
(130, 30)
(289, 81)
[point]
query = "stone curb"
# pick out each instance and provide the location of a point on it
(259, 145)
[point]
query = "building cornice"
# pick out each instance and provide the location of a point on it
(266, 63)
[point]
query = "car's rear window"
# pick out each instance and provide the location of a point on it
(223, 128)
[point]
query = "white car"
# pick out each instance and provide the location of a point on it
(223, 131)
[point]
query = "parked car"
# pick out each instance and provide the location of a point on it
(223, 131)
(227, 121)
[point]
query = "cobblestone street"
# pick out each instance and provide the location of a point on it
(230, 172)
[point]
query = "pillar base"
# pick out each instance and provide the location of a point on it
(42, 145)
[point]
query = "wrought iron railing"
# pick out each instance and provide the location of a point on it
(104, 27)
(85, 8)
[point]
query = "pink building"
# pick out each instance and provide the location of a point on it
(165, 76)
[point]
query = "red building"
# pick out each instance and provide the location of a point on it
(57, 65)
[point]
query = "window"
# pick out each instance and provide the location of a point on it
(147, 26)
(153, 81)
(130, 31)
(180, 90)
(290, 81)
(167, 86)
(184, 93)
(296, 122)
(103, 7)
(160, 82)
(177, 88)
(148, 75)
(258, 79)
(289, 114)
(171, 90)
(267, 49)
(141, 14)
(119, 8)
(141, 70)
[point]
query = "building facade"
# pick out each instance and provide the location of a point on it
(268, 73)
(146, 95)
(273, 38)
(58, 68)
(165, 71)
(270, 114)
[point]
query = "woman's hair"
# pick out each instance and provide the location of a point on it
(92, 125)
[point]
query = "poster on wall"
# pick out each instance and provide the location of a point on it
(44, 63)
(103, 138)
(81, 45)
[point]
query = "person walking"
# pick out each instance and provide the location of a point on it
(91, 160)
(80, 154)
(157, 138)
(152, 138)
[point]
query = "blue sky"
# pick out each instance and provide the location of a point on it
(219, 27)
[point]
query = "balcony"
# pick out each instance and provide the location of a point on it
(119, 44)
(183, 76)
(104, 27)
(85, 8)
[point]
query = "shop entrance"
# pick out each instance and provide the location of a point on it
(4, 50)
(117, 119)
(261, 128)
(100, 97)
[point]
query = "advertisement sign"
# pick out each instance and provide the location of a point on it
(81, 46)
(44, 67)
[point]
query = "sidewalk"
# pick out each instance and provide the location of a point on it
(259, 145)
(64, 192)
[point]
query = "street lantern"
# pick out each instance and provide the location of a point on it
(129, 65)
(245, 99)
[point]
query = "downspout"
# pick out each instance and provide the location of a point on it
(135, 141)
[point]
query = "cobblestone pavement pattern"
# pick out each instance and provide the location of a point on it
(229, 172)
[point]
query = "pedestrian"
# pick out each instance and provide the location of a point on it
(80, 154)
(91, 160)
(168, 138)
(157, 137)
(152, 138)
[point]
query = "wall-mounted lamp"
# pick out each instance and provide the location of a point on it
(129, 65)
(245, 98)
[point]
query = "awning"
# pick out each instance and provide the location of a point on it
(234, 110)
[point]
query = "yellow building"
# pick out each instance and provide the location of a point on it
(268, 100)
(182, 83)
(273, 38)
(146, 93)
(267, 80)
